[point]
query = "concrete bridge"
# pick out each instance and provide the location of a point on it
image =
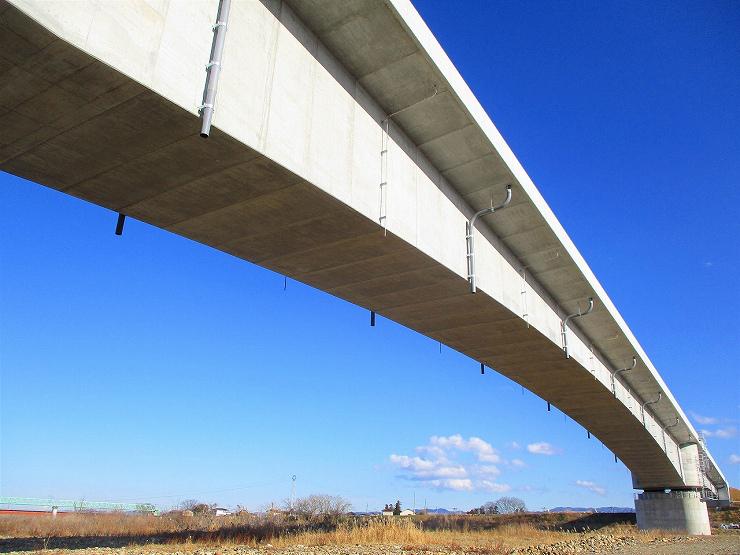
(344, 151)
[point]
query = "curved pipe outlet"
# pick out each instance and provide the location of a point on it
(470, 226)
(646, 403)
(627, 369)
(564, 324)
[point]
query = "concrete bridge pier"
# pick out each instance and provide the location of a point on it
(675, 510)
(679, 509)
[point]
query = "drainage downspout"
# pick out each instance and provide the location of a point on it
(614, 374)
(646, 403)
(213, 69)
(665, 447)
(564, 325)
(470, 225)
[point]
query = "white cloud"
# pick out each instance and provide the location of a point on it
(542, 448)
(445, 442)
(416, 464)
(446, 472)
(424, 469)
(454, 484)
(483, 450)
(704, 420)
(734, 459)
(433, 451)
(513, 445)
(518, 463)
(721, 433)
(592, 487)
(489, 470)
(445, 463)
(493, 487)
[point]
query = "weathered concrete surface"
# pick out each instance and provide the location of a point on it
(100, 101)
(678, 511)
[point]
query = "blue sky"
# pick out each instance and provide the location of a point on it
(148, 367)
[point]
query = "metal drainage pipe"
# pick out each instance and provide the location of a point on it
(213, 69)
(469, 226)
(646, 403)
(665, 447)
(564, 325)
(627, 369)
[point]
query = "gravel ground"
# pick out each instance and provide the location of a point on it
(720, 544)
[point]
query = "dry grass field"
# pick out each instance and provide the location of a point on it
(494, 534)
(528, 533)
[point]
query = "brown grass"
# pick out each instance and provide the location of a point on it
(476, 533)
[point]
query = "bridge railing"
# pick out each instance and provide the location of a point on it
(78, 505)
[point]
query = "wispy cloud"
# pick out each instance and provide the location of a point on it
(517, 463)
(514, 445)
(437, 465)
(493, 487)
(592, 487)
(489, 470)
(734, 459)
(531, 489)
(721, 433)
(543, 448)
(703, 420)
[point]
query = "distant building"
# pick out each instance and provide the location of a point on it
(407, 512)
(220, 511)
(387, 512)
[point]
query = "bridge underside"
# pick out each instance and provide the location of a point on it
(74, 124)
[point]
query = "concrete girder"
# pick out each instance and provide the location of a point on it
(228, 191)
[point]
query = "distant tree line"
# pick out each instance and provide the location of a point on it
(316, 507)
(197, 507)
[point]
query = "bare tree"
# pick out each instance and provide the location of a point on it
(505, 505)
(317, 506)
(188, 504)
(490, 508)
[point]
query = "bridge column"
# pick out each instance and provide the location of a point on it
(723, 496)
(677, 509)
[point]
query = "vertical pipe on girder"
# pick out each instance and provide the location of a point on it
(627, 369)
(469, 229)
(646, 403)
(213, 69)
(665, 447)
(564, 324)
(119, 224)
